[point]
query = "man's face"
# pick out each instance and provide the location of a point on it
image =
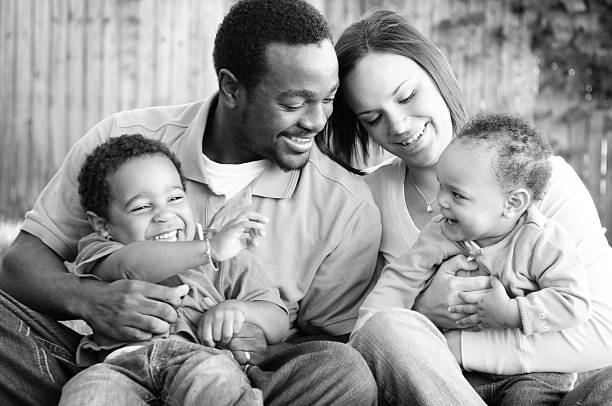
(282, 114)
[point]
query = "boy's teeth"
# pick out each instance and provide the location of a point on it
(166, 235)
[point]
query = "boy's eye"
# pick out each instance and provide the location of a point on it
(457, 195)
(176, 198)
(140, 208)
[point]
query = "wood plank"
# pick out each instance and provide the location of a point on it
(22, 130)
(41, 168)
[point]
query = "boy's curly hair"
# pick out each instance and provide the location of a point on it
(105, 159)
(523, 153)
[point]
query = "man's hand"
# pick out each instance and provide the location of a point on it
(220, 323)
(130, 310)
(494, 309)
(442, 293)
(251, 338)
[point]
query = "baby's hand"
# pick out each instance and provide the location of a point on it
(219, 324)
(496, 309)
(244, 231)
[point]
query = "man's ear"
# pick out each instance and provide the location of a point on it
(517, 202)
(99, 225)
(230, 88)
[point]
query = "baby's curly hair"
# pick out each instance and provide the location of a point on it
(523, 153)
(105, 159)
(252, 25)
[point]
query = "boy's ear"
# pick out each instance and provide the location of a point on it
(517, 202)
(99, 225)
(230, 88)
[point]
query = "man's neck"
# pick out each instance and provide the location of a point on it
(218, 142)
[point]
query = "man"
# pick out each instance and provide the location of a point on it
(251, 145)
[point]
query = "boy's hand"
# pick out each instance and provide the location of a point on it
(244, 231)
(494, 310)
(219, 324)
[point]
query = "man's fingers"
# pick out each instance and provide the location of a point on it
(171, 295)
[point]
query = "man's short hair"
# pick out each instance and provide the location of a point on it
(251, 25)
(105, 159)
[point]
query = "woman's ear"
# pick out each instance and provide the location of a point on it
(99, 225)
(517, 202)
(229, 88)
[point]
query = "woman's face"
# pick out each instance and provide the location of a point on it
(400, 107)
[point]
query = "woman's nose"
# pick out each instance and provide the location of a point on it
(398, 124)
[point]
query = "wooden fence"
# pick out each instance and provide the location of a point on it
(66, 64)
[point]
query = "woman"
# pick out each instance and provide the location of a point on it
(398, 91)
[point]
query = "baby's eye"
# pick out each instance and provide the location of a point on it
(176, 198)
(457, 196)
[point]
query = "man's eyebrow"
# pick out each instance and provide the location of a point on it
(297, 93)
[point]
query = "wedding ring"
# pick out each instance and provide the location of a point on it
(247, 355)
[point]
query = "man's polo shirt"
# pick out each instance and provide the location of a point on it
(321, 242)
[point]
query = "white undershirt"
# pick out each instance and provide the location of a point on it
(231, 179)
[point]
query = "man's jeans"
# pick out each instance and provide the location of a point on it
(176, 372)
(413, 365)
(37, 359)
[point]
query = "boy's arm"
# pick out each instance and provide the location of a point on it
(222, 321)
(151, 261)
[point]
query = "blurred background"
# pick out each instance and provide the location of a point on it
(67, 64)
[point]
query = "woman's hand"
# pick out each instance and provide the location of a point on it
(443, 292)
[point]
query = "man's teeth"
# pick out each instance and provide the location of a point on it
(167, 235)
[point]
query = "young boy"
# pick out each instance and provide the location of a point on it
(490, 176)
(134, 194)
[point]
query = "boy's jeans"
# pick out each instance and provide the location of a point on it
(176, 372)
(37, 359)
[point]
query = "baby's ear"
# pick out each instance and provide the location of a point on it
(99, 224)
(517, 202)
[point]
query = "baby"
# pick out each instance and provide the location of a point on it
(491, 176)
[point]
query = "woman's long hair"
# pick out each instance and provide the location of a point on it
(383, 31)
